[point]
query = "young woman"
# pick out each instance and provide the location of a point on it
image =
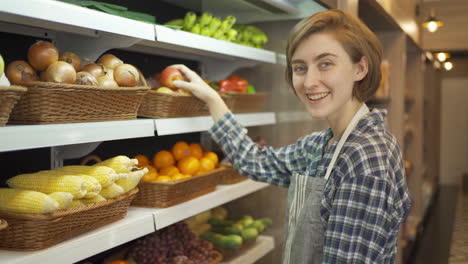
(347, 191)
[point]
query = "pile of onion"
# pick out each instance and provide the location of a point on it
(60, 72)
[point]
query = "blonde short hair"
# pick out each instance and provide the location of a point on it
(356, 38)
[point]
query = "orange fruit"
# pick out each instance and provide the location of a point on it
(178, 176)
(180, 150)
(151, 175)
(169, 170)
(163, 159)
(206, 164)
(212, 156)
(142, 160)
(163, 178)
(188, 165)
(196, 150)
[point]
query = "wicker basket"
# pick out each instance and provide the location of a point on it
(166, 194)
(3, 224)
(161, 105)
(9, 96)
(245, 102)
(53, 103)
(39, 231)
(231, 175)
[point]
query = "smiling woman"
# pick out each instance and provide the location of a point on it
(347, 190)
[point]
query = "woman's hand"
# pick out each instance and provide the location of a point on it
(201, 90)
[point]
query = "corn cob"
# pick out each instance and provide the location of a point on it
(49, 183)
(94, 187)
(96, 199)
(25, 201)
(76, 204)
(105, 175)
(112, 191)
(132, 180)
(64, 199)
(121, 164)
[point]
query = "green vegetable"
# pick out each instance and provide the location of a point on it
(231, 242)
(189, 20)
(219, 222)
(214, 25)
(205, 18)
(249, 234)
(266, 221)
(251, 89)
(195, 29)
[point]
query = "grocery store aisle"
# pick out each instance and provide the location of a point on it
(435, 240)
(459, 246)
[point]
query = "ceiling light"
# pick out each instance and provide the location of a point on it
(448, 65)
(432, 23)
(442, 56)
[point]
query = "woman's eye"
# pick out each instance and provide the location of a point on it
(298, 69)
(325, 65)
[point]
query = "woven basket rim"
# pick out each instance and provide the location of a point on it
(216, 170)
(51, 85)
(170, 94)
(15, 88)
(246, 94)
(65, 212)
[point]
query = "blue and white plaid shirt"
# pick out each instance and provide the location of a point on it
(366, 197)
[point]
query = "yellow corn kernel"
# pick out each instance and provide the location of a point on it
(112, 191)
(26, 201)
(76, 204)
(49, 183)
(64, 199)
(94, 187)
(96, 199)
(121, 164)
(105, 175)
(132, 180)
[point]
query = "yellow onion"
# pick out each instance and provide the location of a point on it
(20, 71)
(86, 78)
(126, 75)
(61, 72)
(107, 81)
(110, 61)
(97, 70)
(71, 58)
(42, 54)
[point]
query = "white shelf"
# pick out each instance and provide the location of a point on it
(137, 223)
(65, 17)
(250, 255)
(170, 126)
(194, 44)
(223, 194)
(18, 137)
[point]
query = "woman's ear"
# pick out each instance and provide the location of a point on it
(361, 69)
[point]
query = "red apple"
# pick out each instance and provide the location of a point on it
(169, 75)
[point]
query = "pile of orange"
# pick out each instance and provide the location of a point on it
(182, 161)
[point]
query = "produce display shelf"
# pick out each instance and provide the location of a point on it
(56, 15)
(170, 126)
(18, 137)
(223, 194)
(137, 223)
(185, 42)
(250, 255)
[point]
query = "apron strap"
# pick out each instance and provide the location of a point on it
(362, 112)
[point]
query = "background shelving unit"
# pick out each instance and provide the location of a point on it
(410, 73)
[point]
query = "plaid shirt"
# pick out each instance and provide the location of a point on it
(366, 197)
